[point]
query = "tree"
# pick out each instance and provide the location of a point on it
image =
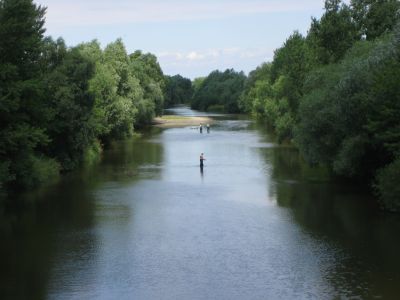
(220, 90)
(274, 90)
(292, 62)
(256, 88)
(349, 115)
(23, 111)
(117, 91)
(56, 102)
(197, 82)
(375, 17)
(147, 69)
(330, 37)
(177, 90)
(71, 129)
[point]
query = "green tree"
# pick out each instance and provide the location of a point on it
(256, 89)
(23, 111)
(147, 69)
(349, 116)
(330, 37)
(220, 90)
(292, 62)
(197, 82)
(177, 90)
(273, 91)
(70, 129)
(375, 17)
(117, 91)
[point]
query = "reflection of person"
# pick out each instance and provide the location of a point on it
(208, 128)
(201, 128)
(201, 160)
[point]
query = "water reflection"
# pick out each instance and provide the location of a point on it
(365, 241)
(47, 236)
(129, 160)
(29, 236)
(143, 224)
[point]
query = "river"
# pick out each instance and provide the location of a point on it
(145, 223)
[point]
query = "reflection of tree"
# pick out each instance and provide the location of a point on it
(345, 217)
(289, 166)
(29, 236)
(129, 160)
(49, 228)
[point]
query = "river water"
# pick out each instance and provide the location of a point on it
(145, 223)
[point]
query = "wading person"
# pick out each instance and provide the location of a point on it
(208, 128)
(201, 128)
(202, 159)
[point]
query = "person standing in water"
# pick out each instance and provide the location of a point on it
(201, 128)
(208, 128)
(202, 159)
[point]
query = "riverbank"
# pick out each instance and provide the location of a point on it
(180, 121)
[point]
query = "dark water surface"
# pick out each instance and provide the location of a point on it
(145, 223)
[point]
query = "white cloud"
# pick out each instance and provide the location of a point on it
(210, 54)
(195, 56)
(212, 59)
(170, 55)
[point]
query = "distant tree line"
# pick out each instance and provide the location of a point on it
(219, 91)
(58, 104)
(178, 90)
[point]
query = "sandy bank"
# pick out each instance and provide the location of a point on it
(180, 121)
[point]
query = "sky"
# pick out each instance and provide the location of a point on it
(189, 37)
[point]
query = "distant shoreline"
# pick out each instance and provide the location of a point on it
(169, 121)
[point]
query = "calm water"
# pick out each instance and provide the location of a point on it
(145, 223)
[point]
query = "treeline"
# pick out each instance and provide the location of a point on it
(219, 91)
(336, 93)
(178, 90)
(58, 104)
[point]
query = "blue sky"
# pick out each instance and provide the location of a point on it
(189, 37)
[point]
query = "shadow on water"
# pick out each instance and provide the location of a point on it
(28, 236)
(366, 240)
(129, 160)
(49, 230)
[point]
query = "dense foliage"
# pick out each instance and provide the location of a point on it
(59, 104)
(178, 90)
(336, 93)
(219, 91)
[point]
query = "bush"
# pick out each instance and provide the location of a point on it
(44, 170)
(284, 127)
(216, 108)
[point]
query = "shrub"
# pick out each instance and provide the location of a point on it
(43, 170)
